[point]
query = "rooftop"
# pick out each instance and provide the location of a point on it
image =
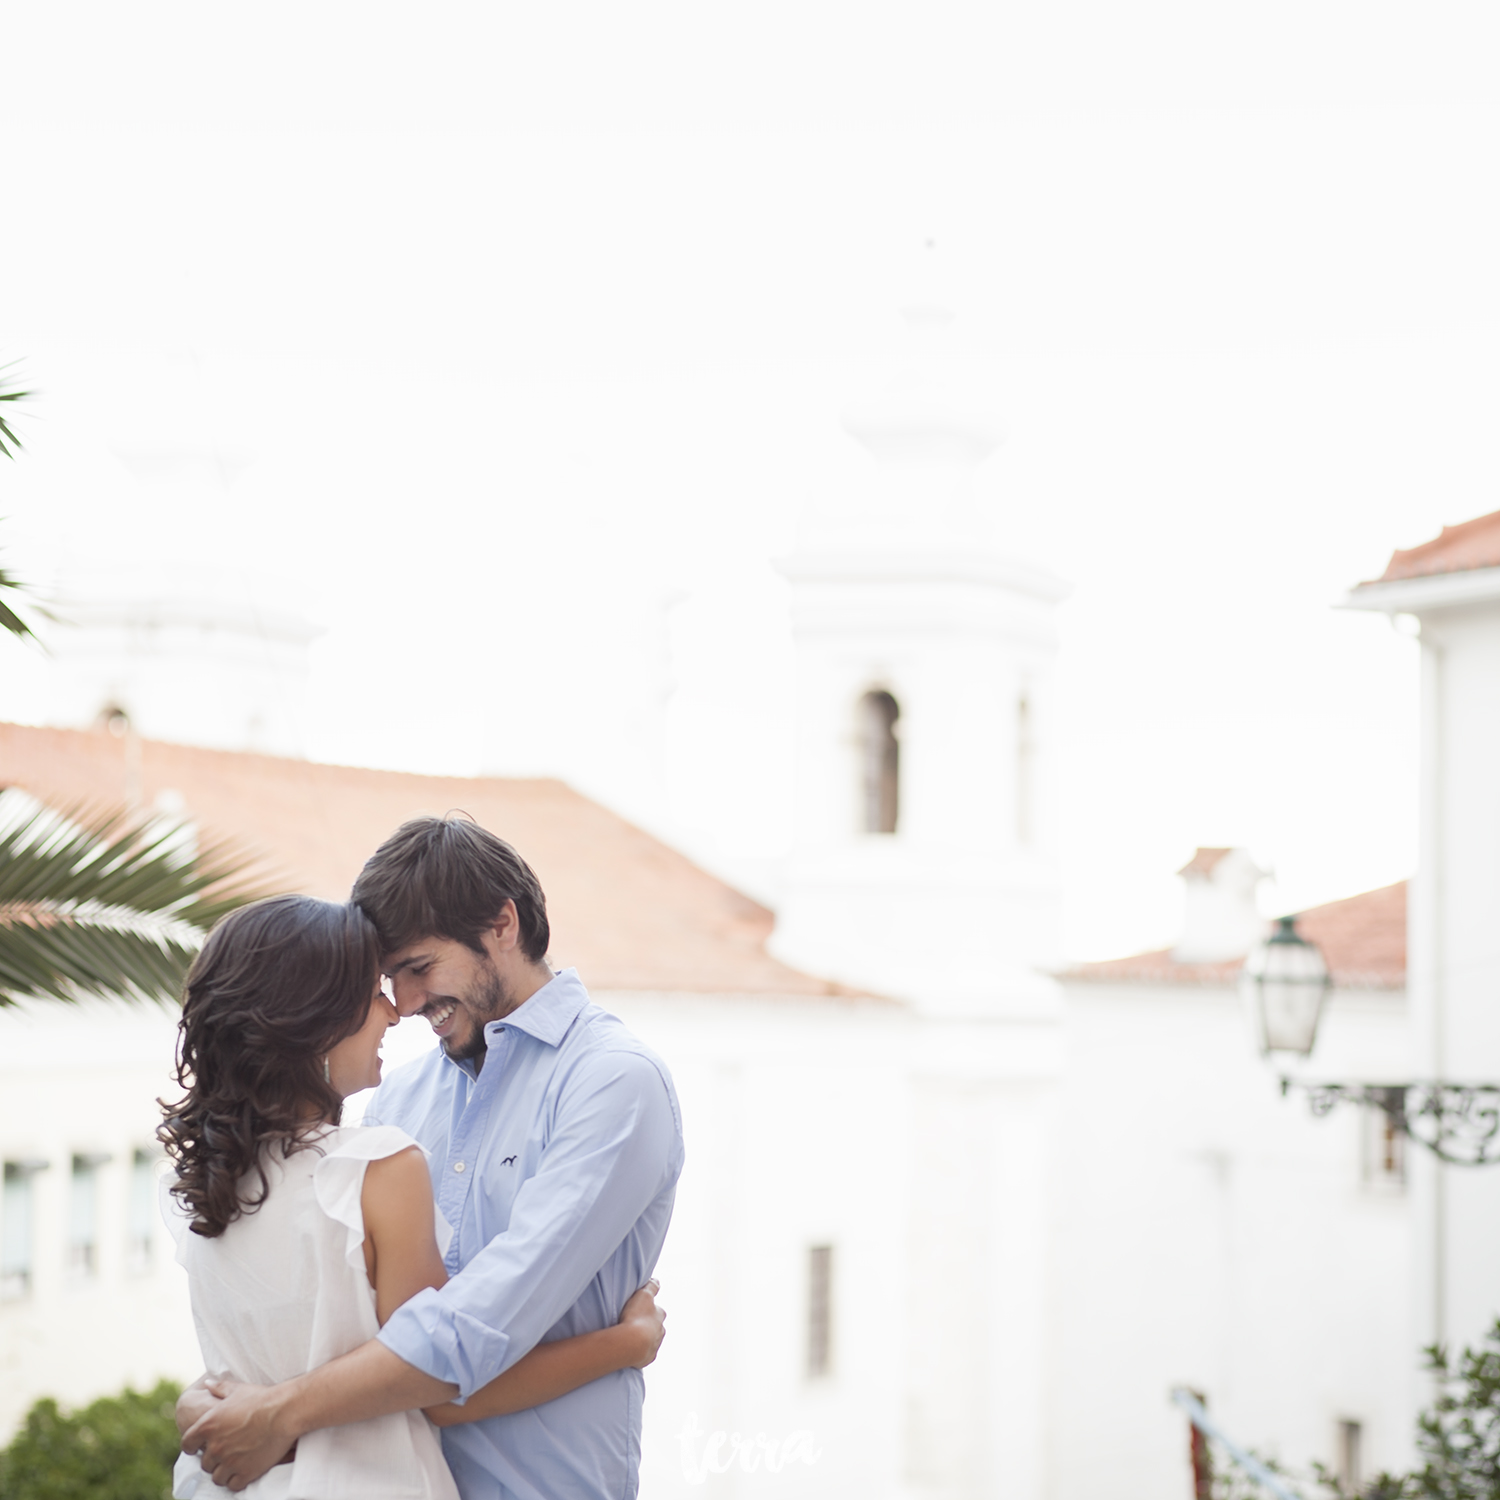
(627, 910)
(1203, 862)
(1363, 939)
(1456, 549)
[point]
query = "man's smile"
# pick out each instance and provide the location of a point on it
(439, 1013)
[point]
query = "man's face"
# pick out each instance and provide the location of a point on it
(456, 990)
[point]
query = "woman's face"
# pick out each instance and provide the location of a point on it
(354, 1064)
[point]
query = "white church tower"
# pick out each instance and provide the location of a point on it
(150, 640)
(922, 866)
(922, 871)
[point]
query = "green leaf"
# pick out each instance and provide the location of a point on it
(10, 444)
(9, 619)
(99, 904)
(117, 1448)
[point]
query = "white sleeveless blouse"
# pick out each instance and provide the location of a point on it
(284, 1290)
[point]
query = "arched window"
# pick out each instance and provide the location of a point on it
(881, 760)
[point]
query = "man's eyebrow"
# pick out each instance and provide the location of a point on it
(406, 963)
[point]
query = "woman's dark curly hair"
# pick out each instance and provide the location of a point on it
(277, 984)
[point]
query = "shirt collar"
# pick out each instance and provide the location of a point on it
(549, 1013)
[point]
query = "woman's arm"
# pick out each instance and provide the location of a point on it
(401, 1253)
(401, 1256)
(552, 1370)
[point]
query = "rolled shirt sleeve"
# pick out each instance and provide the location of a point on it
(616, 1145)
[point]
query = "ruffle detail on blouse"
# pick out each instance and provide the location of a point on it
(173, 1215)
(339, 1179)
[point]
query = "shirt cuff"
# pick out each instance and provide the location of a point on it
(445, 1342)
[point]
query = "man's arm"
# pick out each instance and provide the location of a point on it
(254, 1425)
(552, 1370)
(615, 1146)
(352, 1388)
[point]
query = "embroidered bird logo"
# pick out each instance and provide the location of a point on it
(507, 1161)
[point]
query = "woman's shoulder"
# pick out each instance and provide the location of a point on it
(365, 1143)
(339, 1179)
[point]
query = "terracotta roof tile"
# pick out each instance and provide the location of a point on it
(1363, 940)
(1203, 862)
(627, 910)
(1456, 549)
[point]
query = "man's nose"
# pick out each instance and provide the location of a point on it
(408, 994)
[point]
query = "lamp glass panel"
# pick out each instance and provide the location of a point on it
(1289, 1012)
(1289, 981)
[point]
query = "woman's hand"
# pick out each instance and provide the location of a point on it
(552, 1370)
(196, 1401)
(646, 1321)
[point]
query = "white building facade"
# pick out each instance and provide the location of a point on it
(1450, 589)
(1210, 1233)
(190, 666)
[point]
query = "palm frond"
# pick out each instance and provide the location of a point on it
(10, 444)
(9, 619)
(101, 904)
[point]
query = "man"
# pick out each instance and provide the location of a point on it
(555, 1144)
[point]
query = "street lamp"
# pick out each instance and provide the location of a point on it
(1288, 981)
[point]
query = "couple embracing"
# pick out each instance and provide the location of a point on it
(475, 1258)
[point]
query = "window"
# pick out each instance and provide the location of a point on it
(1384, 1146)
(820, 1311)
(1350, 1436)
(141, 1221)
(83, 1214)
(880, 760)
(17, 1218)
(1025, 771)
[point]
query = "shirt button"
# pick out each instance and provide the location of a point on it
(458, 1166)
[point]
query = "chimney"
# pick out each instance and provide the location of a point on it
(1220, 920)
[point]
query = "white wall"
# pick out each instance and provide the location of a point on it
(917, 1147)
(1456, 952)
(795, 1117)
(204, 666)
(1209, 1233)
(85, 1079)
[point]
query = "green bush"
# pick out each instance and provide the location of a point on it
(1458, 1440)
(119, 1448)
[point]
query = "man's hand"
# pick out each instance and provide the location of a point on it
(193, 1403)
(242, 1434)
(256, 1426)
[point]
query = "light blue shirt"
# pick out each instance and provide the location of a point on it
(556, 1166)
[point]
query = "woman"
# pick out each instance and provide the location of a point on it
(301, 1236)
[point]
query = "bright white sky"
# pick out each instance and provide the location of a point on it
(526, 331)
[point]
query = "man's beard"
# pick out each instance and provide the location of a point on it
(485, 1004)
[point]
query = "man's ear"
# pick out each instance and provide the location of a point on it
(507, 927)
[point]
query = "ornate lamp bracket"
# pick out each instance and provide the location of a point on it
(1457, 1122)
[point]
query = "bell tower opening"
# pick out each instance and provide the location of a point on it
(1025, 771)
(880, 759)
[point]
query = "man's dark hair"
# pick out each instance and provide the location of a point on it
(448, 877)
